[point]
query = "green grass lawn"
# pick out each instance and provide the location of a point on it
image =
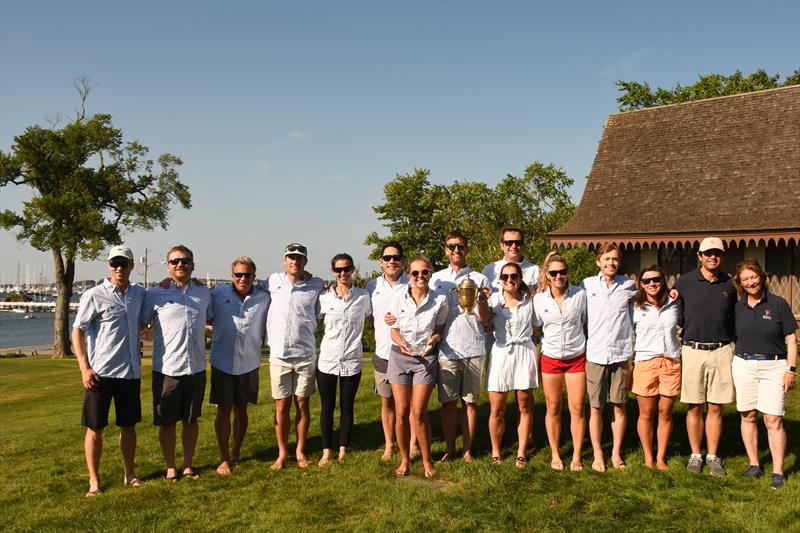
(43, 476)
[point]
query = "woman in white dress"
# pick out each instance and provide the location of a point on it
(512, 361)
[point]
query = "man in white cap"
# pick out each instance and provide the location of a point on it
(512, 242)
(708, 298)
(291, 334)
(105, 337)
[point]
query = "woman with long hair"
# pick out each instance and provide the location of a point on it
(561, 312)
(657, 361)
(512, 360)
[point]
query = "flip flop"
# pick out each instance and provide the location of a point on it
(171, 479)
(190, 473)
(302, 463)
(619, 465)
(520, 462)
(558, 466)
(93, 493)
(599, 466)
(576, 466)
(497, 460)
(134, 482)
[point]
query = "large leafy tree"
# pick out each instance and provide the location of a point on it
(637, 95)
(88, 186)
(419, 214)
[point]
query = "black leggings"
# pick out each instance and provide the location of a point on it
(347, 397)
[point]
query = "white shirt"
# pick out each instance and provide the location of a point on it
(292, 317)
(463, 335)
(512, 326)
(656, 331)
(110, 320)
(239, 328)
(530, 274)
(417, 324)
(179, 316)
(382, 292)
(563, 336)
(341, 351)
(609, 319)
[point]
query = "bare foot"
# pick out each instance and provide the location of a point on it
(402, 470)
(387, 453)
(430, 471)
(599, 465)
(413, 454)
(224, 468)
(278, 464)
(302, 461)
(468, 457)
(322, 462)
(618, 463)
(576, 466)
(661, 465)
(556, 464)
(342, 454)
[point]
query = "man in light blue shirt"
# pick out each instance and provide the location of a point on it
(179, 315)
(239, 327)
(105, 338)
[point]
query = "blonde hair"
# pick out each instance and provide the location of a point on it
(552, 257)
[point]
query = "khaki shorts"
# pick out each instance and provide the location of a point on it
(657, 376)
(291, 378)
(607, 383)
(460, 378)
(707, 375)
(759, 385)
(382, 386)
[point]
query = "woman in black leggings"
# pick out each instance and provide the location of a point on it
(344, 307)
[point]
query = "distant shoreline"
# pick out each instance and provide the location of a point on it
(39, 350)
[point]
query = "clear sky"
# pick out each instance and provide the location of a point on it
(291, 117)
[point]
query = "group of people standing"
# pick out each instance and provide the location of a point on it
(425, 339)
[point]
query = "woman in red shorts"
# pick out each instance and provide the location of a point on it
(560, 309)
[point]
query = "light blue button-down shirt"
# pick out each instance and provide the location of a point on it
(110, 320)
(381, 292)
(610, 324)
(341, 351)
(463, 335)
(292, 318)
(239, 328)
(179, 317)
(417, 323)
(562, 331)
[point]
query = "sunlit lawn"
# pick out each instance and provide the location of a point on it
(43, 477)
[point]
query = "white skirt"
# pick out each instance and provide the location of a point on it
(514, 367)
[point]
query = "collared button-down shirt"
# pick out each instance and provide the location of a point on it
(341, 352)
(530, 274)
(463, 335)
(381, 292)
(512, 326)
(292, 318)
(239, 327)
(179, 316)
(609, 319)
(418, 323)
(110, 320)
(563, 331)
(656, 330)
(763, 329)
(707, 307)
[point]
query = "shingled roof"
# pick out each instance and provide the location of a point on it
(677, 173)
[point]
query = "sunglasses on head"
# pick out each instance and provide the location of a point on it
(654, 279)
(555, 273)
(119, 264)
(246, 275)
(181, 261)
(299, 248)
(511, 242)
(339, 270)
(456, 246)
(509, 277)
(388, 258)
(418, 273)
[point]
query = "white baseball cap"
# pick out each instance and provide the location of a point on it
(120, 251)
(712, 243)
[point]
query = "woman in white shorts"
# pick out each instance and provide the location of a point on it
(765, 366)
(512, 361)
(413, 364)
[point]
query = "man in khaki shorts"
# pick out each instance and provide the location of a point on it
(462, 350)
(291, 334)
(708, 298)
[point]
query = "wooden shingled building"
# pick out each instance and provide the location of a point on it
(666, 177)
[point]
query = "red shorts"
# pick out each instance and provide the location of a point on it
(551, 365)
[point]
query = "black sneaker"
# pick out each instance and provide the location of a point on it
(778, 481)
(753, 472)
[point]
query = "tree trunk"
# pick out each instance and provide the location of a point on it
(65, 275)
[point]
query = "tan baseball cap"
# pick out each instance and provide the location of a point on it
(712, 243)
(120, 251)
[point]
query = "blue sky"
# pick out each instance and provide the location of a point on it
(291, 117)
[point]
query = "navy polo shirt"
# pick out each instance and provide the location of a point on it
(707, 307)
(763, 328)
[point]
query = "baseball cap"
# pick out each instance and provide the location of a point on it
(712, 243)
(295, 249)
(120, 251)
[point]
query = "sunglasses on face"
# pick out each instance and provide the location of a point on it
(509, 277)
(246, 275)
(715, 253)
(513, 242)
(417, 273)
(339, 270)
(556, 273)
(654, 279)
(388, 258)
(181, 261)
(119, 264)
(456, 246)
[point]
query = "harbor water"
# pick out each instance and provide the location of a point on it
(17, 331)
